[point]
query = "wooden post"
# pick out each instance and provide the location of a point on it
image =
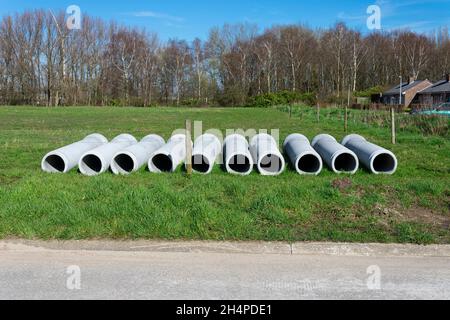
(393, 132)
(346, 112)
(290, 112)
(318, 112)
(188, 147)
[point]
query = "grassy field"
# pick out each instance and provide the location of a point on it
(410, 207)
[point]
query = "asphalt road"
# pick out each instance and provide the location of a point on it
(123, 271)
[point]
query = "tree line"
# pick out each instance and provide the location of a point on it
(104, 63)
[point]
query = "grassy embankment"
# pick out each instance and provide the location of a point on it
(411, 206)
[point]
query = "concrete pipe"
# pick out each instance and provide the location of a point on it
(98, 161)
(206, 150)
(339, 158)
(377, 159)
(237, 157)
(303, 157)
(136, 156)
(267, 156)
(169, 156)
(65, 159)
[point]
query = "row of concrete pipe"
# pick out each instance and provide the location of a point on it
(124, 155)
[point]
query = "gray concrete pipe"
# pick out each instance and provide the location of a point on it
(98, 161)
(237, 157)
(303, 157)
(266, 155)
(66, 158)
(136, 156)
(169, 156)
(206, 150)
(375, 158)
(339, 158)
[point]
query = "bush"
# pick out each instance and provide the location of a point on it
(232, 97)
(369, 92)
(284, 97)
(191, 103)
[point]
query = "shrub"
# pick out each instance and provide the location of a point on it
(369, 92)
(280, 98)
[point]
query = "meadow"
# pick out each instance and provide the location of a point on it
(412, 206)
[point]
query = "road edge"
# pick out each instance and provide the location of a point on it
(280, 248)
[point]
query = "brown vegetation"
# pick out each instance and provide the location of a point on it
(42, 62)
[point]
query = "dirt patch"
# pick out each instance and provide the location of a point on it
(427, 216)
(342, 184)
(414, 214)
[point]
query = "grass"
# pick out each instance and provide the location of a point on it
(410, 207)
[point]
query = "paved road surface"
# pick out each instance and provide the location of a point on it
(221, 271)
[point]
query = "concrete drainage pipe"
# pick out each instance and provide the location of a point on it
(265, 152)
(136, 156)
(65, 159)
(206, 150)
(98, 161)
(303, 157)
(377, 159)
(237, 157)
(339, 158)
(169, 156)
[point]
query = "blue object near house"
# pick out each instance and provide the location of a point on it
(440, 110)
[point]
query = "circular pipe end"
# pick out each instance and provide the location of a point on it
(345, 162)
(91, 165)
(383, 162)
(161, 163)
(54, 163)
(201, 164)
(271, 165)
(124, 163)
(309, 163)
(239, 164)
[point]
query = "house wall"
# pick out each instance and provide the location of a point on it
(434, 99)
(411, 93)
(391, 100)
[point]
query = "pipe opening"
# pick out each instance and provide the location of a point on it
(271, 164)
(309, 164)
(124, 163)
(91, 164)
(163, 162)
(200, 164)
(384, 163)
(240, 164)
(345, 163)
(54, 163)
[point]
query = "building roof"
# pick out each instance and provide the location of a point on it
(405, 87)
(438, 87)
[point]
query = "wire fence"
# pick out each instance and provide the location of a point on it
(379, 118)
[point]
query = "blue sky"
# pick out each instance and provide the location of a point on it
(189, 19)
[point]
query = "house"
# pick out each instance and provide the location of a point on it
(409, 92)
(437, 94)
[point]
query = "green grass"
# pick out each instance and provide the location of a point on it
(410, 207)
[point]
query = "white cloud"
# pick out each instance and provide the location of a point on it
(157, 15)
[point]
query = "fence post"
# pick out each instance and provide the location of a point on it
(290, 112)
(188, 148)
(346, 112)
(393, 130)
(318, 113)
